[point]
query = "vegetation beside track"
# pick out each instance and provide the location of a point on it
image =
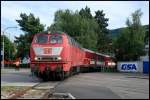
(6, 91)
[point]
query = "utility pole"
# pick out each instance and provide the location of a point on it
(9, 51)
(3, 43)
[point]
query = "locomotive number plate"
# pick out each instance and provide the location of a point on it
(47, 50)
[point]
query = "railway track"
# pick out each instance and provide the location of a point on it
(43, 90)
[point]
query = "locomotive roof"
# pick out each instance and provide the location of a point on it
(54, 32)
(88, 50)
(96, 52)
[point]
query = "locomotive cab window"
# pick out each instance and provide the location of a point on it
(55, 39)
(41, 39)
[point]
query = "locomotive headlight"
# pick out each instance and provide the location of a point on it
(109, 63)
(113, 64)
(35, 58)
(59, 58)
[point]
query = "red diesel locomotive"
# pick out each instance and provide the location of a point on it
(57, 55)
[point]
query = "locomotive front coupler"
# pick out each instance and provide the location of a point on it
(47, 68)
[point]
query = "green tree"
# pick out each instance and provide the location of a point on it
(30, 26)
(130, 43)
(146, 38)
(86, 13)
(80, 28)
(103, 37)
(9, 48)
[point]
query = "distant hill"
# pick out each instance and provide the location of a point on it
(115, 32)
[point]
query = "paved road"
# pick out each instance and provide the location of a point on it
(12, 77)
(89, 85)
(107, 86)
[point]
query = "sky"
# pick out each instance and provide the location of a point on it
(116, 11)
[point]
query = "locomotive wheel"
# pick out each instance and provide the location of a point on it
(54, 75)
(67, 74)
(61, 75)
(44, 77)
(71, 71)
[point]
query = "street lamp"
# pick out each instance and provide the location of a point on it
(9, 59)
(3, 43)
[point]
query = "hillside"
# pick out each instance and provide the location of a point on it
(115, 32)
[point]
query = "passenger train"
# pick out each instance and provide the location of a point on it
(57, 56)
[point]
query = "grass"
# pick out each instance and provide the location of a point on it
(12, 88)
(6, 91)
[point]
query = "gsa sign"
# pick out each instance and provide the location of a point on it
(128, 66)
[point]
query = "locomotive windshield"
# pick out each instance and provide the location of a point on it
(41, 39)
(55, 39)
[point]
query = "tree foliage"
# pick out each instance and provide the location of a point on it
(82, 26)
(86, 13)
(103, 37)
(81, 29)
(9, 48)
(30, 26)
(130, 44)
(146, 38)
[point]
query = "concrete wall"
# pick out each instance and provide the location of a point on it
(144, 58)
(128, 65)
(140, 63)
